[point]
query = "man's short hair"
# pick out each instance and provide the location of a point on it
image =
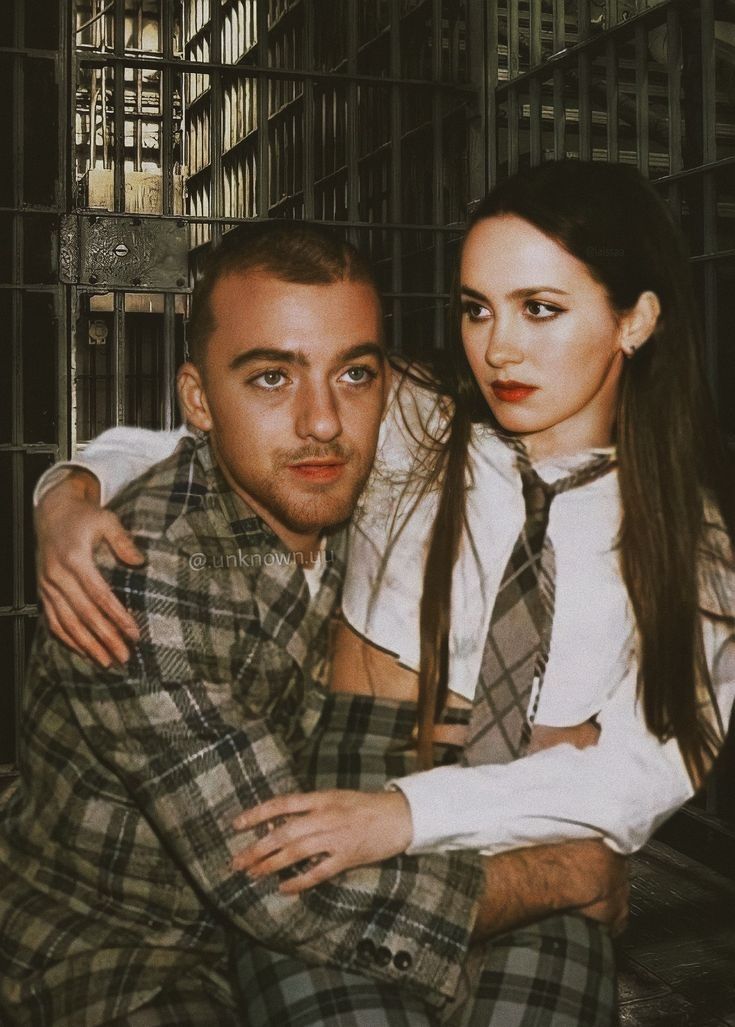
(292, 251)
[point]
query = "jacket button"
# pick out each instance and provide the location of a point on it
(402, 960)
(365, 951)
(383, 956)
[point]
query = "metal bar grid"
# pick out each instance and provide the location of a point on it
(437, 124)
(709, 192)
(260, 70)
(32, 305)
(16, 388)
(396, 172)
(352, 138)
(642, 98)
(536, 126)
(612, 96)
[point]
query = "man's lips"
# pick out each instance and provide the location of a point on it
(511, 391)
(318, 470)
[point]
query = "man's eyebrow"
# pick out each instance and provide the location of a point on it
(281, 356)
(363, 349)
(289, 356)
(516, 294)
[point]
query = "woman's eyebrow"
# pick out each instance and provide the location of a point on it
(522, 294)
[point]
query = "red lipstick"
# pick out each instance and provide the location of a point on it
(512, 392)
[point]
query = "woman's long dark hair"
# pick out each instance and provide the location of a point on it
(670, 451)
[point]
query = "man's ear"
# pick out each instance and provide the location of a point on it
(638, 324)
(192, 397)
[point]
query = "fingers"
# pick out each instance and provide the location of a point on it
(84, 606)
(280, 806)
(321, 871)
(290, 842)
(108, 607)
(55, 625)
(612, 910)
(121, 543)
(60, 613)
(313, 847)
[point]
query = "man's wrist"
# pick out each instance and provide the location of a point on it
(85, 484)
(82, 482)
(526, 884)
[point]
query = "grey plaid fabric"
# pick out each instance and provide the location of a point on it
(115, 883)
(286, 991)
(559, 972)
(183, 1005)
(517, 643)
(556, 973)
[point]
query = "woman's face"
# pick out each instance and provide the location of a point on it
(541, 337)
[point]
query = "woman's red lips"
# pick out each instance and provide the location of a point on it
(512, 392)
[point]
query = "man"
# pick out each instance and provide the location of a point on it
(117, 894)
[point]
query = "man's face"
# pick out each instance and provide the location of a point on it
(294, 380)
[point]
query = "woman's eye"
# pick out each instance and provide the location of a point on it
(541, 311)
(475, 311)
(269, 379)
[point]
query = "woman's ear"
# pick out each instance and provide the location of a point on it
(638, 324)
(192, 397)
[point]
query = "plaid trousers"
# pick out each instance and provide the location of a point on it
(559, 972)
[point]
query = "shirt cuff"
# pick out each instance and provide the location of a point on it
(56, 474)
(420, 792)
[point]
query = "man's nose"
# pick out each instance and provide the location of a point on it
(317, 416)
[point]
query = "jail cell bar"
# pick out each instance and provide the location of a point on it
(353, 114)
(33, 316)
(128, 160)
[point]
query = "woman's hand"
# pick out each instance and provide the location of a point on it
(335, 829)
(79, 605)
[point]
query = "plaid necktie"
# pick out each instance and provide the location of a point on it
(517, 644)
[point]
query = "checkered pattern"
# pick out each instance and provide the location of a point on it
(557, 973)
(114, 850)
(517, 644)
(184, 1005)
(283, 990)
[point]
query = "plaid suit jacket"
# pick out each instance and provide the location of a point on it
(115, 848)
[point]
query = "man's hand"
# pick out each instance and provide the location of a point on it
(79, 605)
(527, 884)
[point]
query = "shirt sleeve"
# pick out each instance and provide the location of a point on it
(620, 790)
(115, 458)
(174, 728)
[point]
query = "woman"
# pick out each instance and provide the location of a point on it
(578, 343)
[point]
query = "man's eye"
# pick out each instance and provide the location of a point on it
(359, 374)
(269, 379)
